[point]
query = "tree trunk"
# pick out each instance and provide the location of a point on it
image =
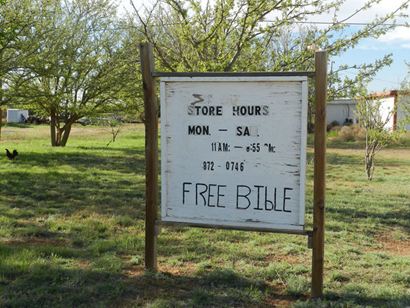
(59, 136)
(55, 131)
(310, 125)
(369, 163)
(53, 128)
(66, 134)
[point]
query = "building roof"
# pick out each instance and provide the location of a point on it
(390, 93)
(343, 101)
(374, 95)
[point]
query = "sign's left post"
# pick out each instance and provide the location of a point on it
(151, 155)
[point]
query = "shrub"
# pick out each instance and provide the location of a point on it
(352, 133)
(346, 134)
(359, 132)
(332, 124)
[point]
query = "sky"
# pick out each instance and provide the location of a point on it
(396, 42)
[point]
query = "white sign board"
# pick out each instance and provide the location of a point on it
(233, 151)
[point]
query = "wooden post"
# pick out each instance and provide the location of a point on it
(1, 119)
(1, 105)
(319, 174)
(151, 156)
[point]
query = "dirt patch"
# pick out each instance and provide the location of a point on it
(134, 271)
(31, 241)
(393, 246)
(279, 302)
(187, 268)
(401, 154)
(291, 259)
(279, 299)
(180, 288)
(83, 264)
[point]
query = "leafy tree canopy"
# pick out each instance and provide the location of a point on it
(75, 64)
(250, 35)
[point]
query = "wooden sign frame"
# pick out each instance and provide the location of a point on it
(316, 236)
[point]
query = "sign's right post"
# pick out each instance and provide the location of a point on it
(319, 174)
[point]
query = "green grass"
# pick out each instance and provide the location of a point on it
(72, 234)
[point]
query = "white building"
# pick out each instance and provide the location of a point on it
(343, 111)
(403, 109)
(395, 99)
(16, 115)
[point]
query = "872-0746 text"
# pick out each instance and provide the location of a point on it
(229, 165)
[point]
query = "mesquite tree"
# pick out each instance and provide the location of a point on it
(250, 35)
(77, 66)
(16, 18)
(375, 122)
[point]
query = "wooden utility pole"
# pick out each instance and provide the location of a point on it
(1, 104)
(151, 155)
(319, 174)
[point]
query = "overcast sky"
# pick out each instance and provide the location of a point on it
(396, 42)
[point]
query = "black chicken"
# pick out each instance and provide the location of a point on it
(10, 155)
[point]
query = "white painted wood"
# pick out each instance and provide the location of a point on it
(233, 79)
(386, 111)
(403, 111)
(280, 121)
(303, 139)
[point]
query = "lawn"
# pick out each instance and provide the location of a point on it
(72, 233)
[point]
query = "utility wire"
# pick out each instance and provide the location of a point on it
(407, 25)
(342, 23)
